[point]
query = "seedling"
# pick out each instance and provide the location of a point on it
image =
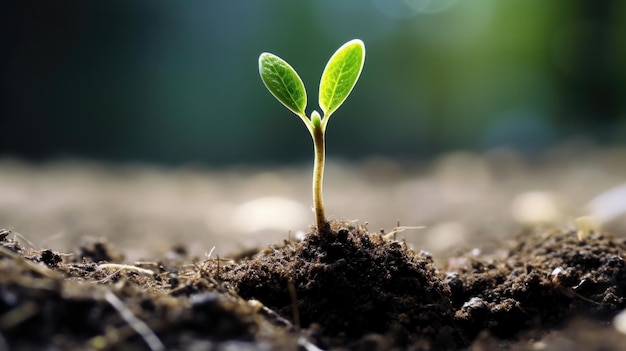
(339, 77)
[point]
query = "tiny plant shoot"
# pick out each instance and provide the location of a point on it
(339, 77)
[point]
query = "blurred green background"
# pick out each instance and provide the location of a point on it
(174, 82)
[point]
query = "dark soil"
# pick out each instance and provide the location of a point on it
(342, 289)
(349, 284)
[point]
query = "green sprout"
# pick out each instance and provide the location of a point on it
(339, 77)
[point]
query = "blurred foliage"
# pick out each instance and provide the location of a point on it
(176, 82)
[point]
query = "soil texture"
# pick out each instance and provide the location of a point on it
(340, 289)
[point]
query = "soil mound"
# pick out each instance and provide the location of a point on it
(348, 284)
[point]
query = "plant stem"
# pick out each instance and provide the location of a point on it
(319, 144)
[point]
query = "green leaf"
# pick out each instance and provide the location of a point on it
(283, 82)
(340, 75)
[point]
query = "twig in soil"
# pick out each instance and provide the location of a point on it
(398, 229)
(208, 255)
(125, 267)
(204, 273)
(271, 314)
(307, 345)
(153, 341)
(291, 286)
(200, 274)
(276, 319)
(146, 264)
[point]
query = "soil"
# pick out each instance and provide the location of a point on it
(548, 287)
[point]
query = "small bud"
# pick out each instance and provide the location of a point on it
(316, 119)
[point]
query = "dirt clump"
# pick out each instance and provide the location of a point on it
(546, 277)
(347, 284)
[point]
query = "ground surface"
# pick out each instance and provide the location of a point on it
(499, 264)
